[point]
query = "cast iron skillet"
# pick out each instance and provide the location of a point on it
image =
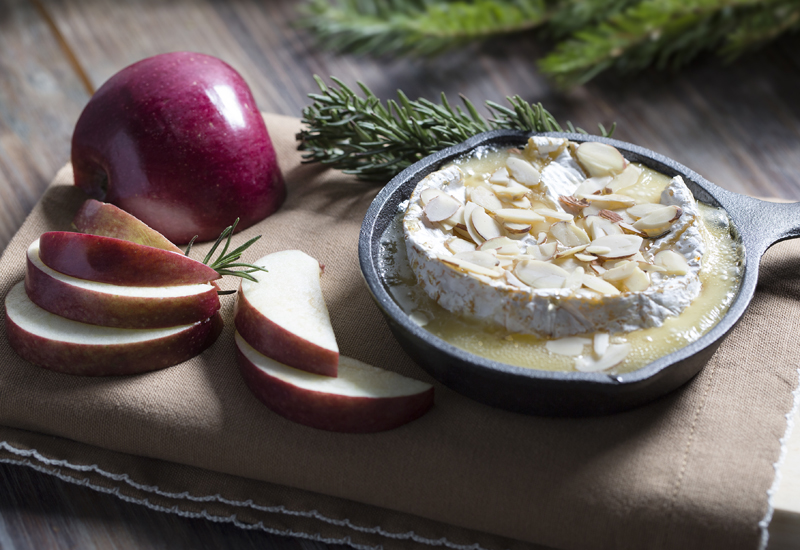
(757, 224)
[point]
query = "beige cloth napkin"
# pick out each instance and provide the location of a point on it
(691, 470)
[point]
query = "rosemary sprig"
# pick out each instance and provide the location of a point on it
(226, 262)
(362, 136)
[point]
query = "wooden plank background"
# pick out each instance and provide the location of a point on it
(737, 125)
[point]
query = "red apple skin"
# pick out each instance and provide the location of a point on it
(106, 220)
(88, 360)
(278, 343)
(113, 310)
(118, 262)
(177, 141)
(335, 413)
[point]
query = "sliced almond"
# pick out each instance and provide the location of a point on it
(610, 215)
(523, 171)
(517, 215)
(571, 346)
(575, 279)
(597, 268)
(456, 245)
(500, 176)
(486, 227)
(592, 185)
(471, 267)
(585, 257)
(516, 228)
(620, 272)
(643, 209)
(441, 207)
(573, 204)
(627, 178)
(512, 191)
(659, 219)
(485, 197)
(501, 245)
(543, 252)
(601, 227)
(674, 263)
(470, 209)
(522, 202)
(478, 257)
(553, 214)
(610, 202)
(638, 281)
(630, 230)
(429, 194)
(652, 268)
(538, 274)
(600, 343)
(618, 246)
(614, 355)
(569, 234)
(513, 281)
(600, 159)
(599, 285)
(572, 252)
(463, 234)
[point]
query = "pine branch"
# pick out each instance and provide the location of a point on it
(362, 136)
(417, 27)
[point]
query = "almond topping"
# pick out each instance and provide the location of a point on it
(485, 197)
(517, 228)
(456, 245)
(553, 214)
(569, 234)
(619, 246)
(614, 355)
(441, 207)
(429, 194)
(599, 285)
(610, 202)
(637, 281)
(610, 215)
(516, 215)
(478, 257)
(543, 252)
(570, 346)
(502, 245)
(674, 263)
(469, 266)
(619, 272)
(485, 225)
(539, 274)
(627, 178)
(600, 159)
(523, 171)
(573, 204)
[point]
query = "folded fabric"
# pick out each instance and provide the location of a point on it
(691, 470)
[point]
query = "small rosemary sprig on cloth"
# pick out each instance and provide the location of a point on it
(362, 136)
(226, 262)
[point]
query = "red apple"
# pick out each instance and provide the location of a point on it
(177, 141)
(116, 306)
(117, 262)
(361, 399)
(71, 347)
(106, 220)
(284, 316)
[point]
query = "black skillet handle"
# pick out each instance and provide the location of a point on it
(763, 223)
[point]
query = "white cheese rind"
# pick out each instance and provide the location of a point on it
(553, 313)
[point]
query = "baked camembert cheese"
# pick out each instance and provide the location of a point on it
(558, 241)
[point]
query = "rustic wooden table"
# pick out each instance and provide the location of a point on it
(737, 125)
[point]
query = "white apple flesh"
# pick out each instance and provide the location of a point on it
(361, 399)
(70, 347)
(113, 305)
(284, 316)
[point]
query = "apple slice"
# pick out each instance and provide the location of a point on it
(71, 347)
(118, 262)
(284, 316)
(106, 220)
(116, 306)
(361, 399)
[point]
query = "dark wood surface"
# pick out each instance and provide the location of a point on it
(738, 125)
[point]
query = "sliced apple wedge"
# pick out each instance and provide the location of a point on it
(119, 262)
(106, 220)
(361, 399)
(284, 316)
(62, 345)
(116, 306)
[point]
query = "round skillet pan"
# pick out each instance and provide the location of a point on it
(755, 224)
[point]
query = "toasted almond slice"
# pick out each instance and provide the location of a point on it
(643, 209)
(500, 176)
(543, 252)
(478, 257)
(585, 257)
(538, 274)
(441, 207)
(600, 343)
(517, 215)
(512, 191)
(630, 230)
(599, 285)
(469, 210)
(610, 215)
(674, 263)
(573, 204)
(620, 246)
(638, 281)
(600, 159)
(571, 346)
(469, 266)
(569, 234)
(652, 268)
(456, 245)
(614, 355)
(627, 178)
(522, 202)
(601, 227)
(485, 197)
(554, 214)
(501, 245)
(575, 279)
(516, 228)
(658, 219)
(610, 202)
(429, 194)
(621, 271)
(572, 252)
(523, 171)
(486, 227)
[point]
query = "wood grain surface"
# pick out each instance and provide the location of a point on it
(737, 125)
